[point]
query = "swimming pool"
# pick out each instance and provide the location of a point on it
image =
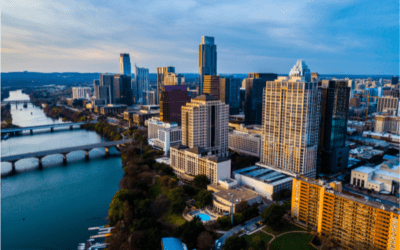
(204, 217)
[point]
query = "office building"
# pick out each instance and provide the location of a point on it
(387, 102)
(113, 109)
(124, 64)
(387, 124)
(395, 80)
(211, 85)
(141, 85)
(383, 178)
(300, 69)
(171, 101)
(253, 98)
(106, 88)
(189, 162)
(81, 92)
(161, 71)
(122, 90)
(314, 77)
(263, 180)
(349, 219)
(227, 195)
(229, 93)
(139, 117)
(205, 124)
(173, 79)
(332, 150)
(207, 59)
(291, 114)
(163, 135)
(393, 92)
(246, 143)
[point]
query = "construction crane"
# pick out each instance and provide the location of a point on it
(368, 96)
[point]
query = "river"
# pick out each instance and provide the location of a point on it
(52, 208)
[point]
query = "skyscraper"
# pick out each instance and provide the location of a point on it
(141, 85)
(205, 124)
(254, 85)
(229, 93)
(122, 89)
(300, 69)
(207, 59)
(171, 102)
(174, 79)
(124, 64)
(332, 150)
(161, 71)
(211, 86)
(105, 89)
(291, 114)
(395, 80)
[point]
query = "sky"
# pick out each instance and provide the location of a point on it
(333, 37)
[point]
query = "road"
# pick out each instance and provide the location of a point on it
(237, 229)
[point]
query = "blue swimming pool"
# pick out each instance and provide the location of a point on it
(204, 217)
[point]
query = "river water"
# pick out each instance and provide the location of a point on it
(52, 208)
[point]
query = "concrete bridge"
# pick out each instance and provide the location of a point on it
(64, 151)
(51, 126)
(15, 101)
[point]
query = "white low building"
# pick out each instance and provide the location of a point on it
(263, 180)
(163, 135)
(384, 178)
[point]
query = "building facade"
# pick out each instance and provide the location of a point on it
(349, 219)
(140, 88)
(211, 85)
(81, 92)
(229, 93)
(163, 135)
(124, 64)
(253, 97)
(161, 71)
(291, 114)
(189, 162)
(245, 143)
(387, 102)
(173, 79)
(207, 59)
(332, 150)
(205, 124)
(300, 69)
(122, 89)
(106, 88)
(171, 101)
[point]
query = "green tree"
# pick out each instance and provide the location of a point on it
(116, 211)
(235, 243)
(272, 215)
(201, 180)
(257, 243)
(203, 198)
(189, 232)
(177, 198)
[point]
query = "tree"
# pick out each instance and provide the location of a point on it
(272, 215)
(235, 243)
(116, 211)
(205, 241)
(201, 180)
(189, 232)
(242, 206)
(203, 198)
(176, 197)
(257, 243)
(160, 205)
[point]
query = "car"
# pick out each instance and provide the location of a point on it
(219, 245)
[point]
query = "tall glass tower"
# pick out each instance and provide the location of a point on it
(207, 59)
(141, 85)
(124, 64)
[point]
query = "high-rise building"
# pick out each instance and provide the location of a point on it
(300, 69)
(122, 89)
(332, 150)
(124, 64)
(81, 92)
(141, 85)
(353, 221)
(207, 59)
(104, 88)
(229, 93)
(211, 86)
(205, 124)
(171, 102)
(253, 98)
(387, 102)
(174, 79)
(395, 80)
(161, 71)
(314, 77)
(291, 114)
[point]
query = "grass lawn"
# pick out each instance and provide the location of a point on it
(155, 190)
(285, 228)
(249, 238)
(174, 219)
(298, 241)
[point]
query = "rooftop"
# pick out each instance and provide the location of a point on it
(170, 243)
(217, 159)
(265, 174)
(365, 170)
(205, 97)
(197, 150)
(239, 193)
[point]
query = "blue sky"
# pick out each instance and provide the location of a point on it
(333, 37)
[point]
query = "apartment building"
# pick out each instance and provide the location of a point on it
(166, 138)
(351, 220)
(245, 143)
(387, 102)
(189, 162)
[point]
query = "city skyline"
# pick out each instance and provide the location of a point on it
(333, 38)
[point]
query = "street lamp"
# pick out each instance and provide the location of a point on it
(232, 196)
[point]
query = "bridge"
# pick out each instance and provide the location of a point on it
(15, 101)
(51, 126)
(64, 151)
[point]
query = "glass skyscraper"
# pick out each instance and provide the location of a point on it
(141, 85)
(207, 59)
(124, 64)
